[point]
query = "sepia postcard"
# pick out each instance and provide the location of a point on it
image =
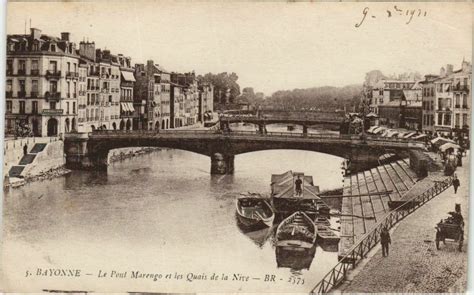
(236, 147)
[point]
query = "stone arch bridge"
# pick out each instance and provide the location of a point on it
(90, 150)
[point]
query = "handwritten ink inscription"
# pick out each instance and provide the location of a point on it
(396, 11)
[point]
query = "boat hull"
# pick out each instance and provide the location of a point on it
(263, 218)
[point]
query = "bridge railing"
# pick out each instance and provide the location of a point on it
(382, 140)
(360, 250)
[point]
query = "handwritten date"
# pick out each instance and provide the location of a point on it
(409, 14)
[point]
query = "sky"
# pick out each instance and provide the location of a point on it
(271, 46)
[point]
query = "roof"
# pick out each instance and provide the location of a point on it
(283, 186)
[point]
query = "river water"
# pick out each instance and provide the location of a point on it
(158, 213)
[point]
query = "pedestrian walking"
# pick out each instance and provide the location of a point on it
(456, 183)
(385, 241)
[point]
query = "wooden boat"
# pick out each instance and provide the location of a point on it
(254, 212)
(297, 232)
(295, 260)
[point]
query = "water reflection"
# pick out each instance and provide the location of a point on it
(295, 260)
(159, 211)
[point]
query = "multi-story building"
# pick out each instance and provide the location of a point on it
(127, 81)
(82, 98)
(453, 100)
(109, 83)
(148, 90)
(165, 98)
(90, 117)
(428, 103)
(41, 84)
(206, 100)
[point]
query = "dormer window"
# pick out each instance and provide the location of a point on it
(53, 47)
(11, 46)
(35, 46)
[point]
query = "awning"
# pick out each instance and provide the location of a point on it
(419, 136)
(128, 76)
(130, 107)
(449, 145)
(124, 107)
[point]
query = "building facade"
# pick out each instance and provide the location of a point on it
(453, 100)
(41, 85)
(127, 83)
(53, 88)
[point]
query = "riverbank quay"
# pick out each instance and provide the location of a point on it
(414, 265)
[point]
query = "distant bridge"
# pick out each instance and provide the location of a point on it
(90, 150)
(304, 119)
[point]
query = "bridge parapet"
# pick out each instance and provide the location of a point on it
(90, 151)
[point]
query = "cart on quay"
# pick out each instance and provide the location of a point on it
(451, 228)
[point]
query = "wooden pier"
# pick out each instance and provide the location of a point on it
(366, 198)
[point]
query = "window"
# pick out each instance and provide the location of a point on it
(53, 86)
(34, 107)
(88, 99)
(464, 101)
(457, 120)
(68, 66)
(448, 103)
(465, 82)
(440, 118)
(464, 120)
(68, 89)
(53, 66)
(21, 66)
(53, 47)
(35, 46)
(110, 98)
(447, 119)
(67, 108)
(9, 66)
(9, 106)
(34, 64)
(73, 107)
(22, 107)
(74, 90)
(34, 87)
(22, 85)
(457, 100)
(9, 86)
(52, 105)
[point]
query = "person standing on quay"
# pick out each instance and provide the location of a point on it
(385, 241)
(456, 183)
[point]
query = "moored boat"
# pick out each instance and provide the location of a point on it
(297, 232)
(254, 212)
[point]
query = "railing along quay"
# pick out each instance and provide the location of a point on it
(359, 251)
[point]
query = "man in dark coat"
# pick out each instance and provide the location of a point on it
(385, 241)
(456, 183)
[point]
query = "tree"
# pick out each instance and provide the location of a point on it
(223, 83)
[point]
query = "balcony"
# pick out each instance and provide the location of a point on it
(21, 72)
(55, 112)
(34, 72)
(8, 93)
(52, 95)
(34, 94)
(457, 106)
(465, 107)
(9, 72)
(72, 75)
(53, 74)
(461, 88)
(21, 93)
(94, 73)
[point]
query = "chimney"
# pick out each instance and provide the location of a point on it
(87, 49)
(449, 69)
(65, 36)
(466, 66)
(442, 72)
(35, 33)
